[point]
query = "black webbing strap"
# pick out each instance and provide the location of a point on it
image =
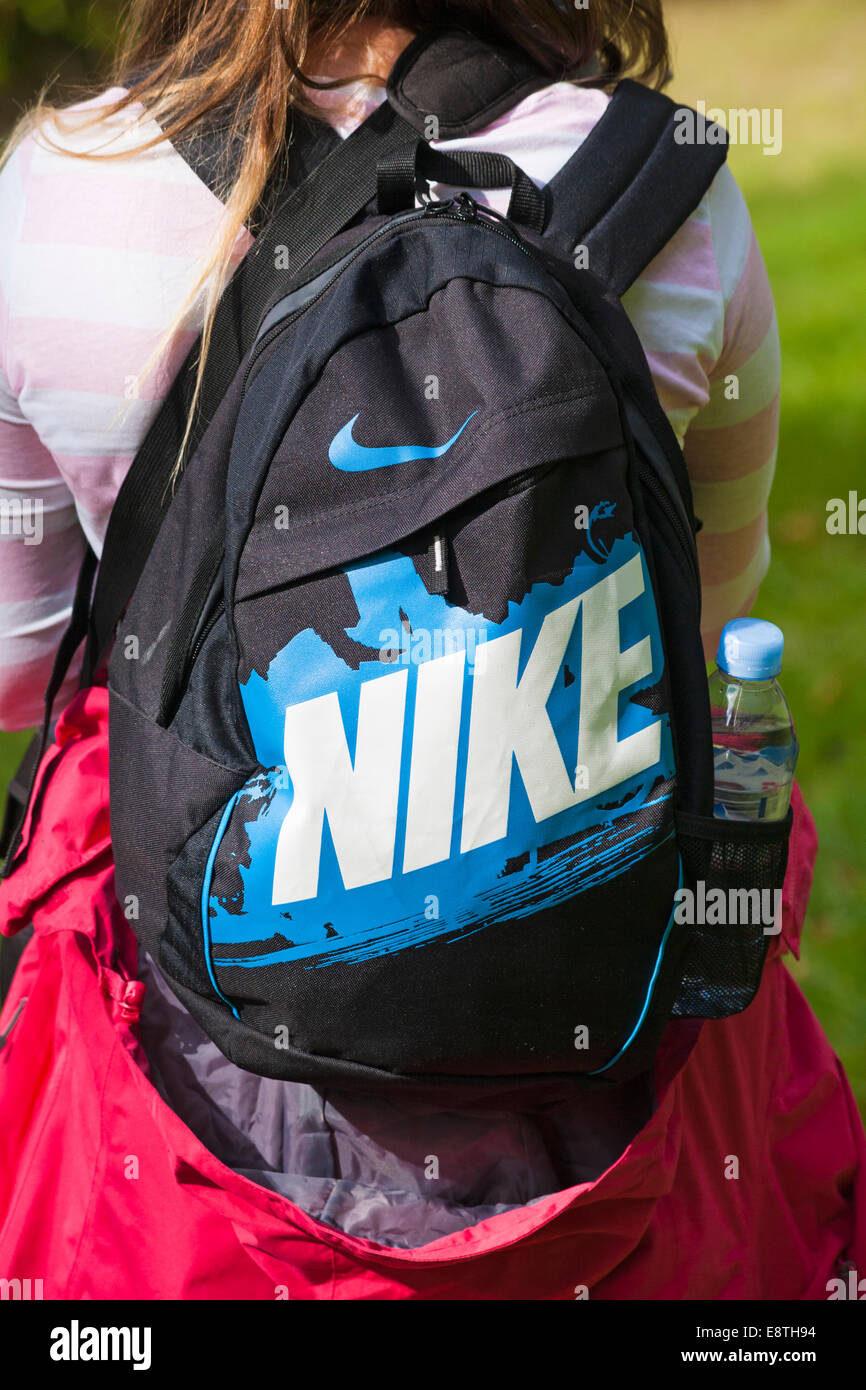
(303, 221)
(623, 195)
(632, 184)
(399, 174)
(335, 192)
(16, 806)
(215, 149)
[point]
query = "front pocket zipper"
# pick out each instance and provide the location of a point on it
(170, 700)
(192, 627)
(199, 616)
(451, 211)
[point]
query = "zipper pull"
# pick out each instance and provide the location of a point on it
(467, 207)
(439, 564)
(433, 208)
(463, 207)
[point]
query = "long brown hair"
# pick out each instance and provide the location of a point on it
(246, 63)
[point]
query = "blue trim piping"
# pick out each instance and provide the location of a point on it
(649, 994)
(205, 897)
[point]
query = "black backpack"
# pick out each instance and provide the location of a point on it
(410, 742)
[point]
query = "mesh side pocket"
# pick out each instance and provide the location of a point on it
(725, 956)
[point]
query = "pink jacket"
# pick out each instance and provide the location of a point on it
(105, 1193)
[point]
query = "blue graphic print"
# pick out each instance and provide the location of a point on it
(517, 875)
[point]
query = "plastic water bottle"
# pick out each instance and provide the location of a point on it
(754, 743)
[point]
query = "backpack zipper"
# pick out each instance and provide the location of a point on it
(438, 550)
(467, 210)
(460, 209)
(170, 700)
(206, 632)
(662, 497)
(671, 504)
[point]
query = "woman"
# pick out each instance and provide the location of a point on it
(731, 1171)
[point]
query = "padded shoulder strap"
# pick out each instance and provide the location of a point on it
(456, 75)
(635, 179)
(445, 69)
(460, 78)
(214, 151)
(305, 217)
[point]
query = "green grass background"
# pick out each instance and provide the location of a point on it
(808, 205)
(809, 209)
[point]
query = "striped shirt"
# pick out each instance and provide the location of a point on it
(96, 259)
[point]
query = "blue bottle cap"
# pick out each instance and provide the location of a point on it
(751, 649)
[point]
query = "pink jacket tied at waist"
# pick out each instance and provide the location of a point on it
(105, 1193)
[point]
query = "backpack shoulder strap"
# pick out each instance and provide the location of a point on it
(214, 151)
(634, 181)
(304, 218)
(447, 71)
(460, 80)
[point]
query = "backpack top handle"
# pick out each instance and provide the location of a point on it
(399, 173)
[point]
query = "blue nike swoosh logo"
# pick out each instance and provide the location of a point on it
(351, 457)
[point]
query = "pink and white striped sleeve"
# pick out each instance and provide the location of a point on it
(96, 259)
(41, 540)
(731, 443)
(704, 312)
